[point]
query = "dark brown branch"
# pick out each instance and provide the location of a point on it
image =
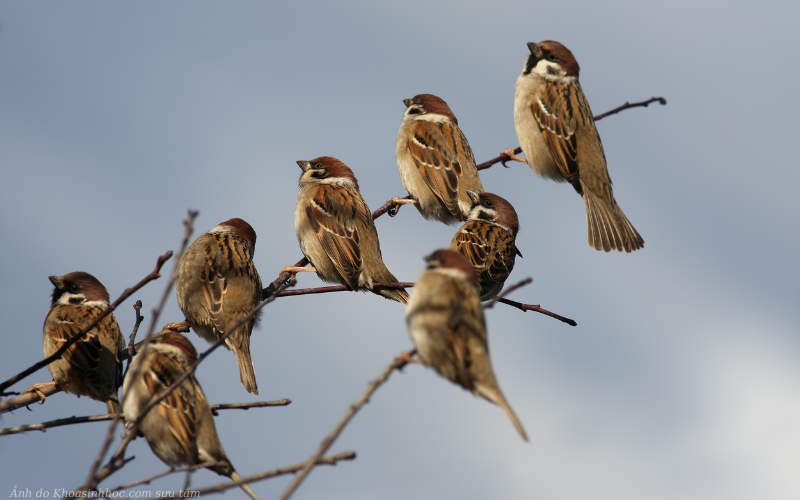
(43, 426)
(530, 307)
(628, 105)
(60, 352)
(291, 469)
(139, 318)
(247, 406)
(397, 364)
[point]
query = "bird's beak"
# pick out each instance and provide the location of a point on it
(474, 196)
(535, 49)
(304, 165)
(408, 102)
(57, 281)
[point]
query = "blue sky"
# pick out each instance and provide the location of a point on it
(681, 379)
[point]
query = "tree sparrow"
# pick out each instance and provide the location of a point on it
(487, 241)
(336, 231)
(180, 428)
(218, 285)
(445, 322)
(92, 366)
(435, 161)
(556, 131)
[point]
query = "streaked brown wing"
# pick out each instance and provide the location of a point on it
(554, 112)
(441, 153)
(84, 355)
(214, 287)
(178, 408)
(333, 214)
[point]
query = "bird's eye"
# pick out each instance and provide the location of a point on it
(74, 288)
(318, 166)
(488, 203)
(552, 57)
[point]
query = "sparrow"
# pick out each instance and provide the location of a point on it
(435, 161)
(446, 324)
(557, 133)
(487, 241)
(92, 366)
(180, 428)
(218, 285)
(336, 231)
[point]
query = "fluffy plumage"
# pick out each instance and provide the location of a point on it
(445, 321)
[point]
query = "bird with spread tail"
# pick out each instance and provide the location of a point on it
(557, 133)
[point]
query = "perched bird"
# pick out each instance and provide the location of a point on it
(92, 366)
(487, 241)
(180, 428)
(445, 322)
(435, 161)
(556, 131)
(218, 285)
(336, 231)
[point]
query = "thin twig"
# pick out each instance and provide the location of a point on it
(291, 469)
(72, 340)
(531, 307)
(349, 414)
(43, 426)
(629, 105)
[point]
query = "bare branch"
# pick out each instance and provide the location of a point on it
(139, 318)
(43, 426)
(349, 414)
(28, 398)
(291, 469)
(503, 157)
(628, 105)
(530, 307)
(60, 352)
